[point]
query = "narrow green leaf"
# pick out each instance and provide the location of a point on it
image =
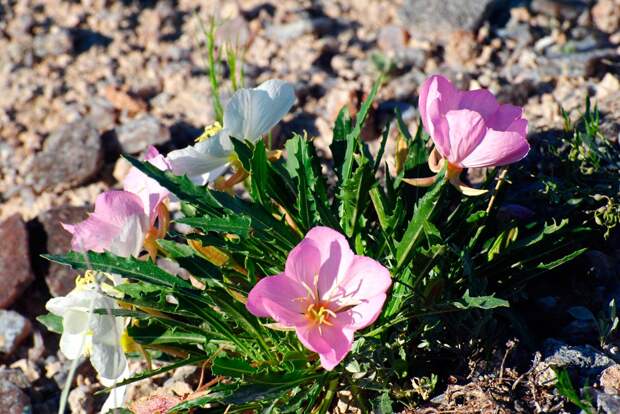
(232, 367)
(233, 224)
(480, 302)
(129, 267)
(423, 213)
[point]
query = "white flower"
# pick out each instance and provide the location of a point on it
(249, 114)
(87, 333)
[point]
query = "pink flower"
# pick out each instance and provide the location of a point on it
(117, 225)
(150, 192)
(326, 293)
(469, 128)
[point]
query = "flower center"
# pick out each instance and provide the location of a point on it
(319, 313)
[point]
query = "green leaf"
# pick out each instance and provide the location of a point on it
(382, 404)
(354, 196)
(352, 138)
(300, 168)
(129, 267)
(480, 302)
(52, 322)
(232, 367)
(422, 214)
(342, 128)
(234, 224)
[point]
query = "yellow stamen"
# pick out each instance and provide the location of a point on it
(210, 131)
(88, 278)
(319, 313)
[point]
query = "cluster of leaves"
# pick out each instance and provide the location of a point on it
(453, 260)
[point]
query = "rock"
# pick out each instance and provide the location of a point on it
(102, 114)
(15, 376)
(608, 404)
(136, 135)
(606, 15)
(56, 43)
(287, 32)
(60, 279)
(15, 269)
(14, 328)
(71, 156)
(610, 379)
(438, 19)
(560, 9)
(12, 399)
(81, 400)
(584, 358)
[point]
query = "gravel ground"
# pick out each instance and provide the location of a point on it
(84, 81)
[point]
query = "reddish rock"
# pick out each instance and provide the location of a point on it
(15, 270)
(12, 399)
(60, 279)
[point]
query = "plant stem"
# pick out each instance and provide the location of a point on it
(329, 396)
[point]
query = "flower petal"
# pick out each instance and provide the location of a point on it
(71, 345)
(467, 129)
(332, 343)
(304, 263)
(116, 206)
(481, 101)
(202, 162)
(108, 360)
(364, 279)
(504, 117)
(279, 289)
(251, 113)
(151, 193)
(116, 399)
(498, 148)
(437, 97)
(336, 256)
(75, 322)
(367, 312)
(130, 240)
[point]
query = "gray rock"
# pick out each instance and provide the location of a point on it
(561, 9)
(15, 269)
(438, 19)
(14, 328)
(136, 135)
(608, 404)
(102, 114)
(587, 360)
(57, 42)
(15, 376)
(71, 156)
(286, 32)
(60, 279)
(12, 399)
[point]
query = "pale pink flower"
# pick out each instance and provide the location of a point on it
(150, 191)
(469, 128)
(117, 225)
(326, 293)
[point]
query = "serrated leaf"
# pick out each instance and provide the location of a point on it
(233, 224)
(129, 267)
(232, 367)
(480, 302)
(415, 229)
